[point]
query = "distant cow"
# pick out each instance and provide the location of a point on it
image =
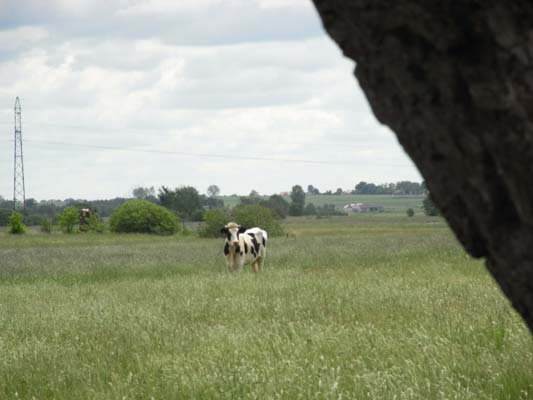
(244, 246)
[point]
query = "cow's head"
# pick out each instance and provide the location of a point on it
(232, 231)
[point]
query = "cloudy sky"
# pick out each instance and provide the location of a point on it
(245, 94)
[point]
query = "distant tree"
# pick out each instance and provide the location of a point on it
(409, 188)
(167, 197)
(31, 204)
(365, 188)
(297, 201)
(185, 201)
(213, 190)
(277, 204)
(252, 199)
(106, 207)
(429, 207)
(7, 204)
(211, 202)
(410, 212)
(68, 219)
(144, 192)
(312, 190)
(256, 215)
(338, 191)
(328, 192)
(4, 216)
(386, 188)
(310, 209)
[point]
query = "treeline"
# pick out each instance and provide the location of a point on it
(184, 201)
(190, 205)
(402, 188)
(297, 205)
(35, 211)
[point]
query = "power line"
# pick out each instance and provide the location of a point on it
(200, 155)
(151, 131)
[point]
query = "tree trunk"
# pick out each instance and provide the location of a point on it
(454, 80)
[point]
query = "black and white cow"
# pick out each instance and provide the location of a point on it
(244, 246)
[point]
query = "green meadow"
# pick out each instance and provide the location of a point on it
(361, 307)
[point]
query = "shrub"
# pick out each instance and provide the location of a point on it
(46, 225)
(213, 221)
(16, 226)
(93, 224)
(141, 216)
(429, 208)
(410, 212)
(96, 224)
(256, 215)
(247, 215)
(68, 219)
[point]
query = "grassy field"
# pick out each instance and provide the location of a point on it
(389, 202)
(364, 307)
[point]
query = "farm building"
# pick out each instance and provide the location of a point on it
(361, 207)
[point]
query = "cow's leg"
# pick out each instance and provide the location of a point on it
(239, 264)
(255, 267)
(232, 262)
(229, 264)
(259, 262)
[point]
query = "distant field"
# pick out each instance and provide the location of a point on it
(365, 307)
(389, 202)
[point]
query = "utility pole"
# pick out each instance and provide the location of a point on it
(19, 193)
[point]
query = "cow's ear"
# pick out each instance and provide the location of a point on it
(242, 229)
(224, 230)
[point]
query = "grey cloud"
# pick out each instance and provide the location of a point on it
(221, 23)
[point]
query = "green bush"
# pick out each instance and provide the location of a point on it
(93, 224)
(247, 215)
(410, 212)
(68, 219)
(141, 216)
(214, 220)
(96, 224)
(256, 215)
(429, 207)
(46, 225)
(16, 226)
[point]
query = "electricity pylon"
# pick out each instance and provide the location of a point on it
(19, 194)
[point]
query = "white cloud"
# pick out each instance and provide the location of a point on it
(101, 74)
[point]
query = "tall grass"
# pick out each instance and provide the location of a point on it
(365, 308)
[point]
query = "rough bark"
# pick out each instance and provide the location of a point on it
(454, 80)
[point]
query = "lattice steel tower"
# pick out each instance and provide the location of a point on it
(19, 194)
